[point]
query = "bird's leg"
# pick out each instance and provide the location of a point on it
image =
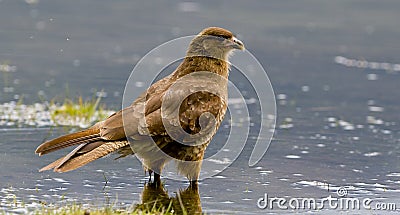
(156, 181)
(157, 178)
(193, 183)
(150, 172)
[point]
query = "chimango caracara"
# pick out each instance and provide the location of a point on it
(174, 119)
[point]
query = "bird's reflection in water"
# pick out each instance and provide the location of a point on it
(185, 201)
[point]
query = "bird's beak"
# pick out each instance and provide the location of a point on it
(237, 44)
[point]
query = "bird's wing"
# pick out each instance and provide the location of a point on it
(130, 121)
(162, 105)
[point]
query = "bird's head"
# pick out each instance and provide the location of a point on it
(214, 42)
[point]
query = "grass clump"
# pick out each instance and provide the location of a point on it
(78, 112)
(77, 209)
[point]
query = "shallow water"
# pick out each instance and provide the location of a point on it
(311, 166)
(298, 165)
(337, 125)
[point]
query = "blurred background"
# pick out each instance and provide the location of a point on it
(334, 67)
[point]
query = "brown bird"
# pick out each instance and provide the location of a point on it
(174, 119)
